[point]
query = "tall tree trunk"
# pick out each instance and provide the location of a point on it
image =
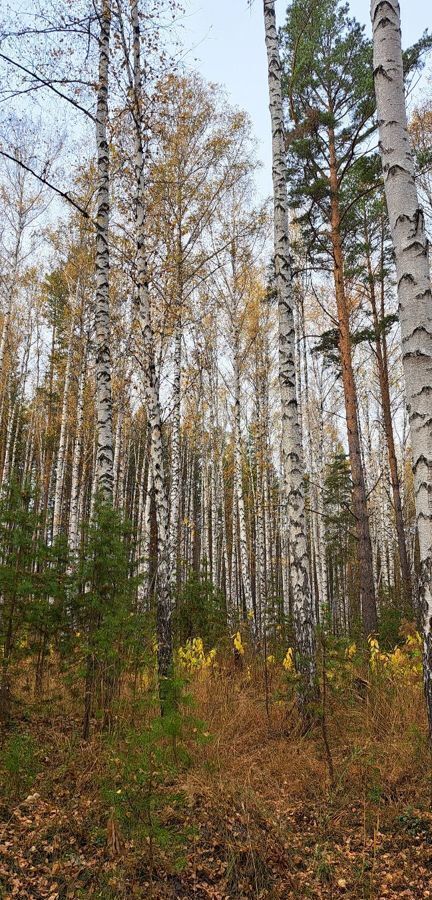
(246, 592)
(61, 452)
(105, 449)
(175, 459)
(164, 594)
(291, 435)
(118, 447)
(234, 573)
(413, 284)
(12, 413)
(321, 541)
(383, 378)
(365, 559)
(144, 547)
(76, 481)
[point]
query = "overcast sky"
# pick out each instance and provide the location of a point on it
(226, 41)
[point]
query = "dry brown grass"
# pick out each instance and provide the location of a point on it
(384, 728)
(267, 820)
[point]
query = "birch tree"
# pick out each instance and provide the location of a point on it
(413, 285)
(151, 388)
(105, 446)
(291, 435)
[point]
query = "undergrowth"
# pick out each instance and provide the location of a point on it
(229, 795)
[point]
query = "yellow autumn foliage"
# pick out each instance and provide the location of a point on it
(288, 660)
(403, 661)
(193, 658)
(237, 641)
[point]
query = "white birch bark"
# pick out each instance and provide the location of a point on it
(291, 435)
(28, 451)
(234, 573)
(269, 531)
(242, 530)
(187, 516)
(262, 570)
(7, 466)
(75, 491)
(321, 542)
(144, 547)
(141, 492)
(175, 459)
(105, 455)
(164, 594)
(215, 531)
(61, 452)
(413, 285)
(224, 536)
(12, 280)
(118, 451)
(205, 554)
(93, 481)
(285, 554)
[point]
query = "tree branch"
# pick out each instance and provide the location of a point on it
(63, 194)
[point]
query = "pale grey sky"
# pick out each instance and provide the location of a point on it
(227, 46)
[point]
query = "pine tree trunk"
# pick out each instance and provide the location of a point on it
(291, 435)
(383, 377)
(365, 559)
(413, 284)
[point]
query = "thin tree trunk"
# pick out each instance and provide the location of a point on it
(144, 547)
(61, 452)
(242, 533)
(175, 460)
(75, 491)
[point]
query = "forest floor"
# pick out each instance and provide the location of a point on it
(253, 813)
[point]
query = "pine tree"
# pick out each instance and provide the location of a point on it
(329, 91)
